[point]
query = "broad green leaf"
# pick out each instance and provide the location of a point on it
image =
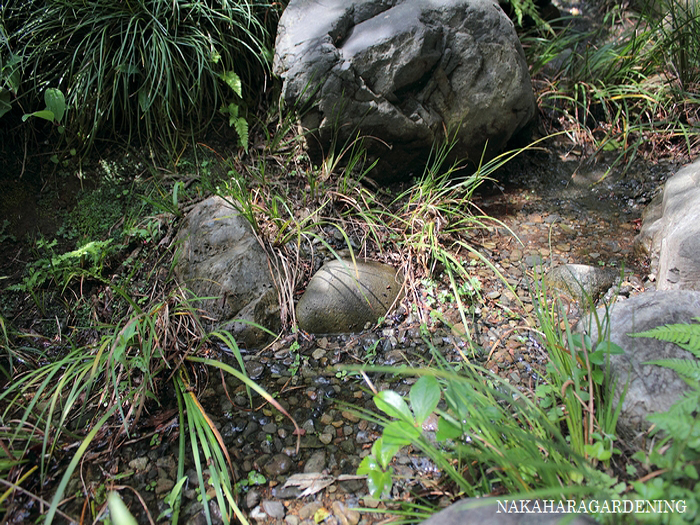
(393, 405)
(596, 358)
(234, 82)
(368, 464)
(379, 483)
(608, 347)
(424, 396)
(45, 114)
(55, 103)
(597, 376)
(384, 452)
(400, 432)
(598, 450)
(690, 471)
(447, 430)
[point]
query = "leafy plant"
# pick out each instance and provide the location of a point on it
(629, 87)
(575, 390)
(674, 458)
(85, 261)
(490, 438)
(153, 69)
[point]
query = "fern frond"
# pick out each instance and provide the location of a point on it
(687, 336)
(682, 420)
(688, 368)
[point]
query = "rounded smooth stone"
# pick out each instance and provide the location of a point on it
(342, 297)
(581, 281)
(279, 464)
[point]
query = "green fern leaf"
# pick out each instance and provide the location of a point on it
(681, 420)
(687, 368)
(687, 336)
(241, 126)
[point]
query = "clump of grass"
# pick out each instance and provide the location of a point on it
(629, 87)
(154, 70)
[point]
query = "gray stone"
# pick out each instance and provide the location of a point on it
(670, 234)
(274, 509)
(399, 71)
(486, 511)
(252, 498)
(652, 388)
(342, 297)
(279, 464)
(580, 281)
(221, 260)
(316, 463)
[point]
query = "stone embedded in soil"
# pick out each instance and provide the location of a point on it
(308, 510)
(138, 464)
(274, 509)
(252, 498)
(343, 296)
(164, 485)
(278, 465)
(344, 515)
(316, 463)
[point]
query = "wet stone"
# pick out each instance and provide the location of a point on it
(252, 498)
(255, 369)
(139, 464)
(345, 515)
(308, 510)
(164, 485)
(279, 464)
(348, 446)
(325, 438)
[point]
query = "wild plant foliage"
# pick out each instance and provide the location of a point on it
(152, 69)
(687, 336)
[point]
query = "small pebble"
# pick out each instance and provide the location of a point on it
(274, 509)
(252, 498)
(279, 464)
(308, 510)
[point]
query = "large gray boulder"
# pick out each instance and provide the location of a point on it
(343, 296)
(652, 388)
(489, 511)
(670, 234)
(399, 71)
(222, 262)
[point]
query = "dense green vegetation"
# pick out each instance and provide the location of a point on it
(95, 329)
